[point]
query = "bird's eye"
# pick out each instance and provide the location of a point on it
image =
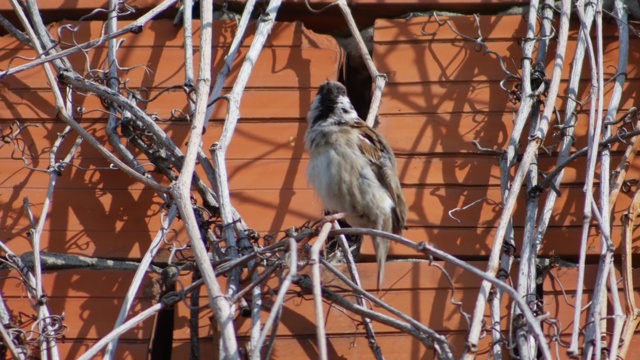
(345, 110)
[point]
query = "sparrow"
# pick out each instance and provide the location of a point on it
(352, 169)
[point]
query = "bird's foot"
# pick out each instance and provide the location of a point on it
(331, 218)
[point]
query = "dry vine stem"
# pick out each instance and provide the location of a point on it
(317, 293)
(597, 326)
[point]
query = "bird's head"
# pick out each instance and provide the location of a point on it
(331, 106)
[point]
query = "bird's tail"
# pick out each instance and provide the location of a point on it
(381, 247)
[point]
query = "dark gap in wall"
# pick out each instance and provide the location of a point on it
(354, 73)
(162, 338)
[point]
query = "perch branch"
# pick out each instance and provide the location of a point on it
(316, 279)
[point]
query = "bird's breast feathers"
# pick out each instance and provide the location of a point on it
(345, 182)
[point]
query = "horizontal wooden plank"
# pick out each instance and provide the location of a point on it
(473, 97)
(408, 135)
(290, 174)
(26, 105)
(281, 67)
(473, 242)
(561, 309)
(274, 210)
(418, 134)
(86, 318)
(81, 283)
(407, 276)
(88, 242)
(458, 241)
(401, 275)
(251, 140)
(427, 28)
(493, 27)
(162, 33)
(559, 289)
(393, 346)
(421, 289)
(89, 5)
(566, 339)
(83, 4)
(126, 350)
(566, 279)
(432, 61)
(431, 308)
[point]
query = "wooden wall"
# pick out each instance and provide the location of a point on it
(442, 95)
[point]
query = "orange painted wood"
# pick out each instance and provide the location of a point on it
(83, 4)
(559, 309)
(566, 278)
(254, 141)
(563, 280)
(162, 33)
(277, 104)
(144, 4)
(472, 242)
(394, 346)
(278, 67)
(494, 27)
(428, 206)
(288, 174)
(274, 139)
(432, 61)
(86, 318)
(126, 350)
(104, 244)
(566, 339)
(101, 220)
(473, 97)
(81, 283)
(453, 133)
(422, 291)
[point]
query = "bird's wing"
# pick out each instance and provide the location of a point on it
(383, 164)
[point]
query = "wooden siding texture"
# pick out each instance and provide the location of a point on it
(441, 96)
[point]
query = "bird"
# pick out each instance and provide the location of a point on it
(352, 168)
